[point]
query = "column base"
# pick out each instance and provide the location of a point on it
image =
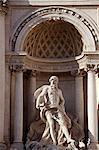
(17, 146)
(3, 146)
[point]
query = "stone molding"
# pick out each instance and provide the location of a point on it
(73, 16)
(54, 2)
(19, 62)
(22, 62)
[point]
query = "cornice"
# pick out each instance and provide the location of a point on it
(82, 62)
(41, 65)
(92, 57)
(54, 2)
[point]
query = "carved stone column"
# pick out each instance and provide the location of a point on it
(79, 103)
(79, 100)
(18, 111)
(92, 102)
(31, 102)
(7, 103)
(97, 87)
(2, 75)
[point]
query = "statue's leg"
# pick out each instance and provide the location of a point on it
(66, 133)
(51, 125)
(46, 132)
(63, 125)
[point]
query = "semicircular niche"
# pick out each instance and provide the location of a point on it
(53, 39)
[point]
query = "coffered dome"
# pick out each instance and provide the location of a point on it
(53, 39)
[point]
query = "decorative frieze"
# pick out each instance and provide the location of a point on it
(80, 65)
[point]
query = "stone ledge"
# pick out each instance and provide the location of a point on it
(55, 2)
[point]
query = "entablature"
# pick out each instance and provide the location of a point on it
(55, 65)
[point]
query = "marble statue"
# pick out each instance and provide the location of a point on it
(50, 103)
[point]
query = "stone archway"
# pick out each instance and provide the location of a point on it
(49, 41)
(81, 22)
(43, 60)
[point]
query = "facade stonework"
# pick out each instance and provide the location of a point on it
(40, 39)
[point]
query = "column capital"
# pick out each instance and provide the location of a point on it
(3, 6)
(91, 67)
(17, 67)
(97, 70)
(30, 74)
(34, 73)
(78, 72)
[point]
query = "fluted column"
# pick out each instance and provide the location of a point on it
(92, 102)
(2, 75)
(18, 111)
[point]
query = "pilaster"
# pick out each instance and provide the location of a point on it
(2, 76)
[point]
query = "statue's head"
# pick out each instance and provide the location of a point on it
(53, 80)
